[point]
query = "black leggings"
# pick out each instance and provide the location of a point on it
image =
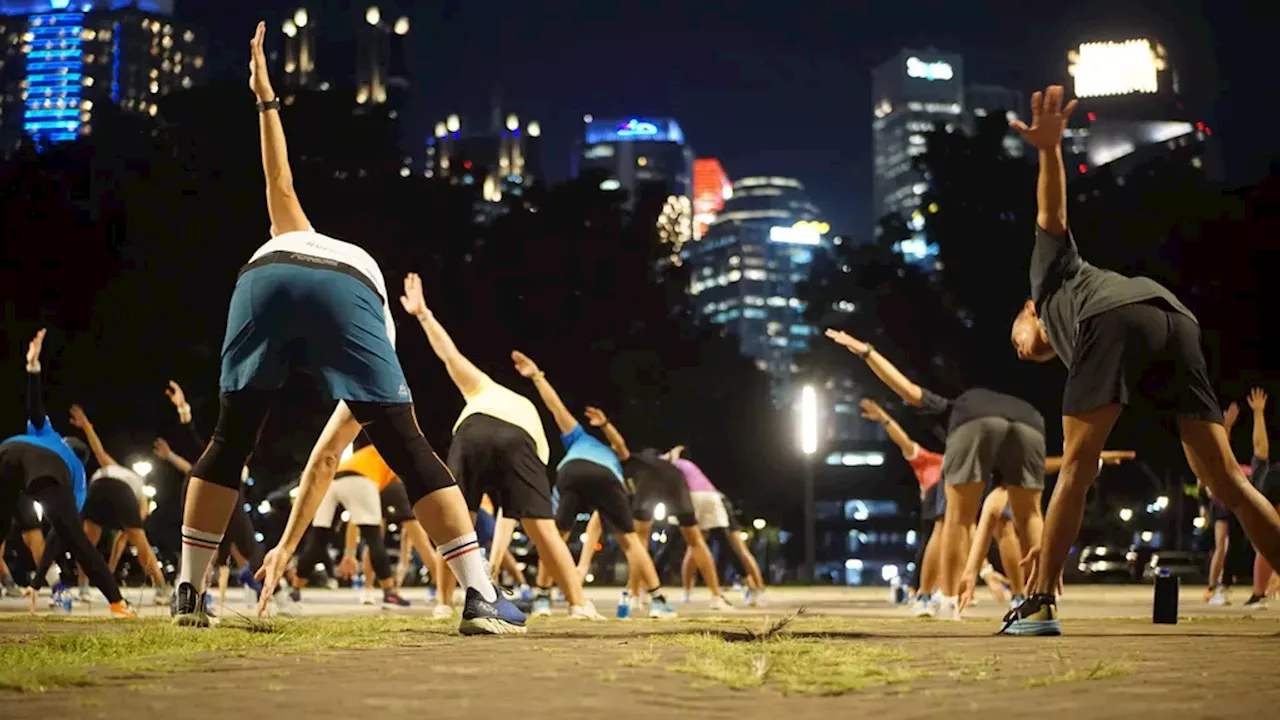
(922, 542)
(60, 509)
(725, 551)
(316, 541)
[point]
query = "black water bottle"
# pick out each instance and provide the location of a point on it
(1165, 610)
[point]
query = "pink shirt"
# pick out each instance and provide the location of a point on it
(694, 476)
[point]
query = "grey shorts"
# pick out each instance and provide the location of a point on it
(982, 448)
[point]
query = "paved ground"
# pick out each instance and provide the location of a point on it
(851, 653)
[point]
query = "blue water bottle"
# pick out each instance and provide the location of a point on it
(65, 601)
(357, 582)
(624, 606)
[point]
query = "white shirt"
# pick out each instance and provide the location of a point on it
(129, 477)
(310, 242)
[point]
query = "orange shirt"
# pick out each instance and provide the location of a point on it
(368, 462)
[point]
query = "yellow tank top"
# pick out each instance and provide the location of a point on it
(506, 405)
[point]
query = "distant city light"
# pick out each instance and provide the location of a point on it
(889, 572)
(534, 129)
(1126, 514)
(808, 420)
(937, 70)
(758, 523)
(264, 508)
(289, 28)
(402, 26)
(1162, 502)
(1147, 535)
(142, 467)
(635, 127)
(853, 564)
(1116, 68)
(452, 123)
(373, 15)
(300, 18)
(660, 512)
(513, 123)
(149, 490)
(610, 184)
(1199, 522)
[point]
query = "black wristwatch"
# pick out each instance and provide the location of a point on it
(867, 353)
(273, 104)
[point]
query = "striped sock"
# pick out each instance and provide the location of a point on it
(468, 565)
(198, 549)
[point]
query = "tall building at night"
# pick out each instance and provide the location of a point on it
(634, 153)
(913, 93)
(299, 64)
(711, 189)
(986, 100)
(382, 76)
(64, 60)
(744, 271)
(501, 161)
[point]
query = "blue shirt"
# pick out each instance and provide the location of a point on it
(581, 445)
(49, 439)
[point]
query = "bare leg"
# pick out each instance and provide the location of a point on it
(1010, 557)
(643, 529)
(417, 537)
(555, 559)
(700, 555)
(1028, 533)
(594, 532)
(963, 503)
(1221, 543)
(1083, 437)
(638, 561)
(502, 530)
(34, 540)
(754, 579)
(117, 551)
(930, 573)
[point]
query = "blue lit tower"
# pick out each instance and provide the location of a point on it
(636, 152)
(64, 59)
(743, 272)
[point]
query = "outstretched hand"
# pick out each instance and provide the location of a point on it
(843, 338)
(1115, 457)
(259, 77)
(526, 367)
(1231, 414)
(78, 418)
(596, 417)
(161, 448)
(175, 394)
(965, 596)
(412, 300)
(1048, 118)
(872, 410)
(1257, 399)
(273, 567)
(33, 351)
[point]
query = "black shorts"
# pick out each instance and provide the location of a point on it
(732, 513)
(1145, 355)
(494, 457)
(933, 505)
(395, 504)
(112, 504)
(22, 463)
(585, 486)
(1218, 512)
(675, 498)
(25, 517)
(1266, 477)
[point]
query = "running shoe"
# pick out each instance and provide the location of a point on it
(249, 582)
(661, 609)
(1218, 599)
(188, 608)
(481, 617)
(757, 599)
(55, 594)
(542, 607)
(946, 608)
(163, 595)
(85, 595)
(923, 607)
(122, 611)
(582, 612)
(686, 598)
(1037, 616)
(442, 612)
(391, 600)
(285, 604)
(719, 603)
(432, 594)
(11, 588)
(1016, 600)
(1255, 602)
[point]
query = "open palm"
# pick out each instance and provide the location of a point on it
(524, 366)
(596, 417)
(412, 301)
(1048, 118)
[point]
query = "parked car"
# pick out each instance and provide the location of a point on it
(1187, 565)
(1108, 563)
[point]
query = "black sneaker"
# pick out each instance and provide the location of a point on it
(1037, 615)
(1255, 602)
(480, 617)
(188, 608)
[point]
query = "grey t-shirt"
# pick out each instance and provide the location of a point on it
(1067, 291)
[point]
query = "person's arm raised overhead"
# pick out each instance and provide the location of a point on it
(597, 418)
(35, 402)
(282, 201)
(910, 392)
(1258, 404)
(527, 368)
(872, 411)
(81, 421)
(462, 371)
(1048, 121)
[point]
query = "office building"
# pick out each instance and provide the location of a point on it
(635, 154)
(500, 162)
(63, 61)
(913, 93)
(299, 66)
(381, 69)
(711, 188)
(987, 100)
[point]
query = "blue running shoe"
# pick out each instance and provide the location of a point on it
(542, 606)
(391, 600)
(248, 580)
(480, 617)
(1037, 615)
(188, 608)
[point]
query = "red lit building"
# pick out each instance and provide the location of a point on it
(711, 187)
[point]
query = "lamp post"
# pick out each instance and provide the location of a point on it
(809, 446)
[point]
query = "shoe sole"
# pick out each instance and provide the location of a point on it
(1043, 628)
(195, 620)
(394, 606)
(489, 626)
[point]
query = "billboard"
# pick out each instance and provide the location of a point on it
(802, 233)
(634, 129)
(1106, 69)
(711, 188)
(937, 70)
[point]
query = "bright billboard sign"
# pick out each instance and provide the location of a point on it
(936, 70)
(1107, 69)
(805, 232)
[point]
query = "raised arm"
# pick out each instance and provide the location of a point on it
(1108, 457)
(35, 403)
(81, 421)
(464, 374)
(910, 392)
(597, 418)
(1048, 121)
(185, 419)
(527, 368)
(282, 202)
(1258, 404)
(872, 411)
(162, 450)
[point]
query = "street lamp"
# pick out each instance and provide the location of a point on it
(809, 446)
(1126, 514)
(142, 468)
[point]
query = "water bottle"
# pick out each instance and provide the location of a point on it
(624, 606)
(1165, 609)
(357, 583)
(897, 593)
(431, 594)
(65, 601)
(526, 592)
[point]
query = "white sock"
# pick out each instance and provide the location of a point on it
(198, 549)
(468, 565)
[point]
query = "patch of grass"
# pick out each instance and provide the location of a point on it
(1100, 671)
(641, 658)
(791, 665)
(974, 670)
(57, 656)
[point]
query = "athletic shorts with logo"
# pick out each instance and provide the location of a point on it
(494, 457)
(586, 487)
(291, 311)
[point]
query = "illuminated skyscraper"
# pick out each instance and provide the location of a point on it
(711, 188)
(913, 93)
(633, 153)
(502, 161)
(300, 51)
(381, 71)
(64, 60)
(987, 100)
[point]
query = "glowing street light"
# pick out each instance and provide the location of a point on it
(290, 28)
(1162, 502)
(1126, 514)
(402, 26)
(142, 468)
(808, 420)
(452, 123)
(300, 18)
(758, 523)
(809, 446)
(1199, 522)
(373, 15)
(149, 490)
(535, 129)
(1147, 535)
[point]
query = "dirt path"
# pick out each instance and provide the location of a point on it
(1107, 669)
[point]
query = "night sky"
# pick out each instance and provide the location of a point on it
(772, 87)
